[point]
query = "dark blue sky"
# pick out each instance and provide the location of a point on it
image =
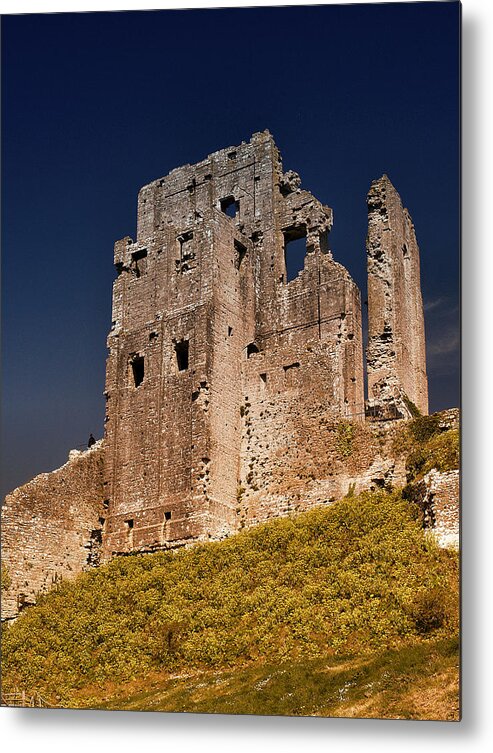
(95, 105)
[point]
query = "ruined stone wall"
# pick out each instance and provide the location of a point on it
(234, 388)
(443, 503)
(52, 528)
(304, 456)
(207, 275)
(396, 342)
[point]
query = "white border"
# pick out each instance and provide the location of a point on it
(80, 732)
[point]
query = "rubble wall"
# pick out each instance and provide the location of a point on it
(443, 498)
(52, 528)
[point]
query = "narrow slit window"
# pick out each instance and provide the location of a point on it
(294, 251)
(240, 253)
(181, 350)
(130, 532)
(137, 364)
(230, 206)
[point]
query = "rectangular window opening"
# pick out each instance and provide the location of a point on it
(186, 237)
(230, 206)
(167, 516)
(181, 350)
(137, 363)
(294, 251)
(141, 253)
(187, 254)
(263, 378)
(139, 261)
(186, 245)
(130, 524)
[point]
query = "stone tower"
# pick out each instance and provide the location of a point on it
(396, 356)
(206, 320)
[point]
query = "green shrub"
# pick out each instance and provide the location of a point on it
(429, 609)
(423, 428)
(5, 579)
(344, 439)
(441, 451)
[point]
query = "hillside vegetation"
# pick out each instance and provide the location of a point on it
(357, 579)
(417, 681)
(427, 445)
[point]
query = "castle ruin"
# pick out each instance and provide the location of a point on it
(231, 383)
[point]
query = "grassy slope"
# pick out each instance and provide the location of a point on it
(358, 580)
(412, 682)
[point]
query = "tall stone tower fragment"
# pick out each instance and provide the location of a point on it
(396, 357)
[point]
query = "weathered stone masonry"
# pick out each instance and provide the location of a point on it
(396, 355)
(232, 389)
(206, 321)
(52, 528)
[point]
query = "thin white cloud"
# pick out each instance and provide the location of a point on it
(433, 303)
(443, 344)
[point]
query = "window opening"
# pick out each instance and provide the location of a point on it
(137, 364)
(291, 374)
(181, 350)
(187, 254)
(240, 253)
(230, 331)
(230, 206)
(294, 251)
(167, 515)
(139, 261)
(130, 531)
(251, 349)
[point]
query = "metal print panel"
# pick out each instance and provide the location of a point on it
(265, 518)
